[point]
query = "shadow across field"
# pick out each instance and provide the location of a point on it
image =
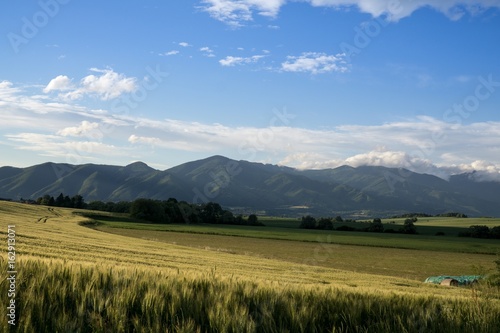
(411, 264)
(108, 217)
(385, 240)
(77, 279)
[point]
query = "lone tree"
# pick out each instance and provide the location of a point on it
(227, 217)
(308, 222)
(252, 219)
(325, 224)
(495, 233)
(479, 231)
(77, 201)
(376, 225)
(149, 210)
(409, 227)
(211, 213)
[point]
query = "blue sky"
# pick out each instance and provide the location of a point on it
(308, 84)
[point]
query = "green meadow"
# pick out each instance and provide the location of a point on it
(287, 229)
(113, 274)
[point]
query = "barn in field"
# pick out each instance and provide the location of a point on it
(449, 282)
(446, 280)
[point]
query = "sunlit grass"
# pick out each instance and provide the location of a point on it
(57, 296)
(400, 241)
(411, 264)
(75, 279)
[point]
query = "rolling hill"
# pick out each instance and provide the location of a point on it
(254, 187)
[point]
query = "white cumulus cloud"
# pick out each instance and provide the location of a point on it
(5, 84)
(105, 85)
(422, 144)
(480, 170)
(315, 63)
(234, 12)
(396, 10)
(61, 83)
(85, 129)
(237, 12)
(419, 145)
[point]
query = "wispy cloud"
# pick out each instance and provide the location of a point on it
(236, 12)
(315, 63)
(15, 100)
(174, 144)
(396, 10)
(230, 61)
(419, 144)
(170, 53)
(208, 52)
(68, 131)
(54, 146)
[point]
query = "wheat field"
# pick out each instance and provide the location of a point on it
(75, 279)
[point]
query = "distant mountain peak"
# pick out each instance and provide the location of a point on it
(218, 158)
(138, 167)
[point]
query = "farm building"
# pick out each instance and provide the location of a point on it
(449, 282)
(463, 280)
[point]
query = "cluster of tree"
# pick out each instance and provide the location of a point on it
(112, 207)
(323, 223)
(173, 211)
(408, 227)
(376, 225)
(452, 214)
(309, 222)
(407, 215)
(75, 201)
(481, 231)
(156, 211)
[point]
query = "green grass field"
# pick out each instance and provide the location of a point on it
(410, 256)
(72, 278)
(426, 225)
(411, 264)
(285, 232)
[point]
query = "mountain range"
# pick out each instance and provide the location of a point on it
(244, 187)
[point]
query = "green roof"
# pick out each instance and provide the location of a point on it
(463, 280)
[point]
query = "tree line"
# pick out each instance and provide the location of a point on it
(309, 222)
(481, 231)
(62, 200)
(173, 211)
(449, 214)
(156, 211)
